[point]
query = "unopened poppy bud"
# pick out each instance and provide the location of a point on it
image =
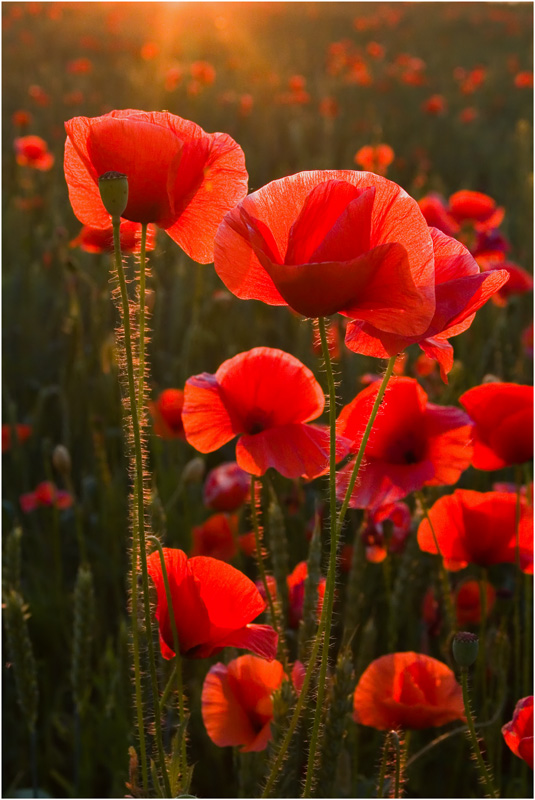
(465, 648)
(113, 188)
(61, 459)
(194, 470)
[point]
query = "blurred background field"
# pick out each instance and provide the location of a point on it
(448, 86)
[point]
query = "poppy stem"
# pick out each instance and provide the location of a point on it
(392, 738)
(139, 523)
(481, 663)
(518, 583)
(484, 773)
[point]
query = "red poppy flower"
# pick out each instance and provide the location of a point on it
(413, 443)
(80, 66)
(468, 602)
(376, 158)
(237, 704)
(21, 119)
(375, 541)
(520, 281)
(179, 177)
(296, 594)
(216, 537)
(407, 690)
(503, 424)
(226, 487)
(332, 241)
(22, 432)
(436, 214)
(100, 240)
(524, 80)
(476, 208)
(434, 105)
(478, 528)
(266, 396)
(461, 289)
(518, 733)
(167, 414)
(213, 605)
(45, 494)
(32, 151)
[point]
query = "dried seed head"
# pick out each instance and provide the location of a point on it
(113, 188)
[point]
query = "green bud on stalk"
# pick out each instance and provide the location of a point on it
(465, 648)
(113, 188)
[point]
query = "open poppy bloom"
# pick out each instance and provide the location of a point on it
(477, 209)
(179, 177)
(375, 158)
(518, 733)
(468, 602)
(32, 151)
(461, 289)
(167, 414)
(22, 432)
(413, 443)
(478, 528)
(407, 690)
(213, 605)
(216, 537)
(226, 487)
(324, 242)
(237, 703)
(100, 240)
(503, 424)
(45, 494)
(266, 396)
(520, 281)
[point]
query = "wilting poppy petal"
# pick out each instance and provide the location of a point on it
(284, 243)
(179, 177)
(407, 690)
(518, 733)
(100, 240)
(503, 424)
(478, 528)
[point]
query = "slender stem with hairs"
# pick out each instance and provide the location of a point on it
(518, 584)
(139, 540)
(444, 580)
(482, 768)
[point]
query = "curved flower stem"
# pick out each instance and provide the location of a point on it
(177, 666)
(484, 773)
(139, 523)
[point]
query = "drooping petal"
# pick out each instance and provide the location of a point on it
(208, 422)
(225, 719)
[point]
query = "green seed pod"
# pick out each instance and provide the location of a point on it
(21, 656)
(113, 188)
(465, 648)
(84, 610)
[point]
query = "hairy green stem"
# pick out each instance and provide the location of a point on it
(444, 580)
(518, 586)
(484, 773)
(139, 506)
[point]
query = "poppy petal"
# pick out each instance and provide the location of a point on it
(208, 423)
(226, 721)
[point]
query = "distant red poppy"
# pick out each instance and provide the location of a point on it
(203, 72)
(435, 210)
(266, 397)
(518, 733)
(468, 115)
(21, 118)
(179, 177)
(524, 80)
(478, 528)
(22, 432)
(38, 94)
(32, 151)
(100, 240)
(296, 592)
(237, 704)
(216, 537)
(332, 241)
(461, 289)
(45, 494)
(407, 690)
(80, 66)
(329, 107)
(375, 158)
(413, 443)
(226, 487)
(520, 281)
(374, 533)
(503, 424)
(475, 208)
(468, 602)
(167, 414)
(434, 105)
(149, 50)
(213, 605)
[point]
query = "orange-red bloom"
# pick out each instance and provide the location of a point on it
(375, 158)
(45, 494)
(237, 704)
(478, 528)
(520, 281)
(413, 443)
(407, 690)
(32, 151)
(331, 241)
(100, 240)
(434, 105)
(216, 537)
(167, 414)
(22, 432)
(503, 424)
(468, 602)
(518, 733)
(226, 487)
(179, 177)
(213, 605)
(266, 397)
(475, 208)
(461, 289)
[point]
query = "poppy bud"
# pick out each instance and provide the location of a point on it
(465, 648)
(194, 470)
(113, 188)
(61, 459)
